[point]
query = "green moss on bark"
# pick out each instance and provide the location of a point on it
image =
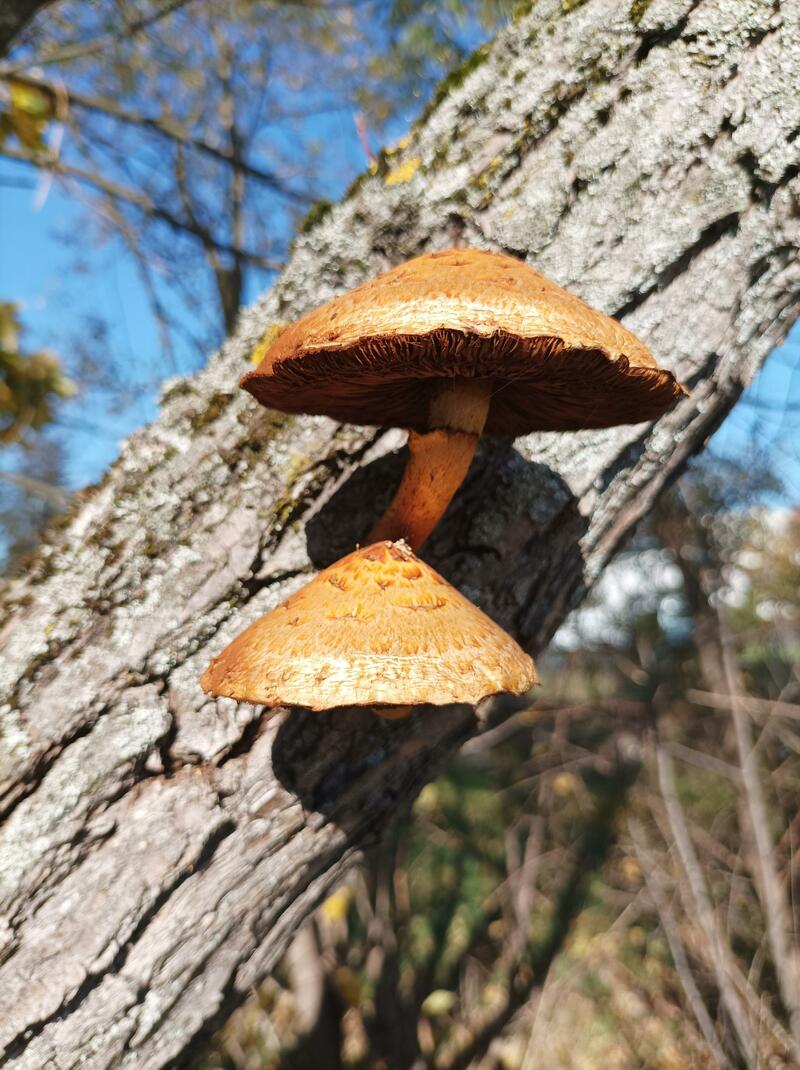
(637, 10)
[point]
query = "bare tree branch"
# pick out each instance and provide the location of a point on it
(46, 491)
(773, 895)
(655, 881)
(168, 128)
(69, 53)
(754, 707)
(138, 200)
(704, 909)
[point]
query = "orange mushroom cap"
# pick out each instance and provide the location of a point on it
(555, 363)
(377, 628)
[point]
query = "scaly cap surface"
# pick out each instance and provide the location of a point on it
(555, 363)
(378, 627)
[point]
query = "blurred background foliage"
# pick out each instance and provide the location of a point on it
(610, 878)
(30, 383)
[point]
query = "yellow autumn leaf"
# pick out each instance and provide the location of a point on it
(28, 129)
(637, 937)
(564, 783)
(33, 100)
(335, 906)
(631, 870)
(403, 143)
(403, 173)
(440, 1001)
(268, 337)
(427, 801)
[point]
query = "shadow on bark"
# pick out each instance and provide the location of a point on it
(329, 759)
(347, 517)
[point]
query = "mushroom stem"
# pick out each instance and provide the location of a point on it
(436, 469)
(439, 461)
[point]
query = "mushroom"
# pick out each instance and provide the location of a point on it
(378, 628)
(450, 345)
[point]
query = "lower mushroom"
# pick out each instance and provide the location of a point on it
(378, 628)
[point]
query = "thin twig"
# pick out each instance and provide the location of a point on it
(99, 44)
(141, 201)
(706, 761)
(168, 128)
(768, 886)
(46, 491)
(757, 707)
(654, 879)
(704, 909)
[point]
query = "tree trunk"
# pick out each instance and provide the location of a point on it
(160, 850)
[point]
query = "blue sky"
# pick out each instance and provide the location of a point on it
(767, 419)
(38, 271)
(58, 277)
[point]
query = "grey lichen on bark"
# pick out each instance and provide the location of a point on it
(159, 849)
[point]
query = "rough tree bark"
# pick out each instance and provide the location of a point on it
(158, 849)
